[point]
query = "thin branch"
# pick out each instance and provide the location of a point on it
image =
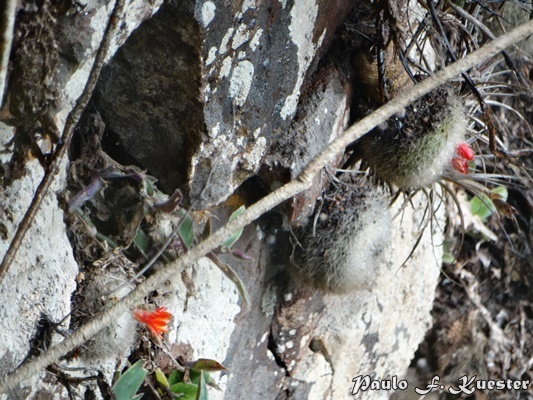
(287, 191)
(63, 145)
(7, 22)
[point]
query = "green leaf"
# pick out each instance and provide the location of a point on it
(233, 238)
(161, 378)
(149, 182)
(202, 388)
(141, 241)
(228, 271)
(175, 376)
(194, 376)
(483, 206)
(129, 383)
(447, 256)
(502, 192)
(185, 229)
(188, 391)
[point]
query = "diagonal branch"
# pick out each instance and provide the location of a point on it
(13, 380)
(62, 147)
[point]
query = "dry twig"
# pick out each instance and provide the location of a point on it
(7, 22)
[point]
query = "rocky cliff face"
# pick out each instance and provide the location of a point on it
(213, 87)
(214, 97)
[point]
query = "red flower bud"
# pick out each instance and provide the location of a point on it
(460, 164)
(465, 151)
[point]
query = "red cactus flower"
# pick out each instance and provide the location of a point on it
(465, 151)
(156, 321)
(460, 164)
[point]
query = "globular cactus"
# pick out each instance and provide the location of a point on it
(343, 249)
(415, 149)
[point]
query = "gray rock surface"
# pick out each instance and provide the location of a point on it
(213, 86)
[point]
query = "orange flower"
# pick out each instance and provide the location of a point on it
(156, 320)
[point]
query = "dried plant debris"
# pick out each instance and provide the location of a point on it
(105, 200)
(118, 221)
(33, 85)
(483, 318)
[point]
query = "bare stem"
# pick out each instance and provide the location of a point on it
(7, 22)
(287, 191)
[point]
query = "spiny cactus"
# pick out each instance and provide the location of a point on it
(343, 249)
(413, 150)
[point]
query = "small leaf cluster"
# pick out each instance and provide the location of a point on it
(190, 384)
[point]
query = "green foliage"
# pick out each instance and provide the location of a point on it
(231, 274)
(161, 378)
(190, 384)
(186, 391)
(142, 241)
(148, 184)
(202, 387)
(185, 230)
(447, 256)
(129, 383)
(233, 238)
(483, 206)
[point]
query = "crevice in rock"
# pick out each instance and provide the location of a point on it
(274, 349)
(149, 96)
